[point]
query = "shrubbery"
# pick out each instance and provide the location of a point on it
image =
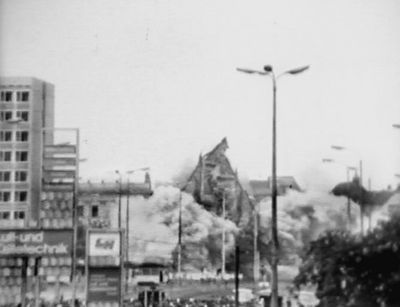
(350, 270)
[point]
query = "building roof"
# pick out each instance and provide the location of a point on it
(394, 200)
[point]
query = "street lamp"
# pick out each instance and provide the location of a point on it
(127, 206)
(342, 148)
(119, 197)
(348, 169)
(127, 214)
(268, 71)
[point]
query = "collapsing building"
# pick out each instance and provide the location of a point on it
(215, 185)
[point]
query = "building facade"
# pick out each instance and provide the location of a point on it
(26, 106)
(215, 184)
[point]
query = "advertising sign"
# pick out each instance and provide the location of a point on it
(104, 244)
(104, 285)
(35, 242)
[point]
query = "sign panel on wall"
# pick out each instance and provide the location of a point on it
(35, 242)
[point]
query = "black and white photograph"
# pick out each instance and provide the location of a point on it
(199, 153)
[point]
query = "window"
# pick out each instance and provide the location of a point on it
(5, 196)
(24, 115)
(19, 215)
(6, 96)
(5, 115)
(4, 215)
(23, 96)
(95, 211)
(5, 156)
(21, 156)
(5, 136)
(20, 196)
(22, 136)
(21, 176)
(5, 176)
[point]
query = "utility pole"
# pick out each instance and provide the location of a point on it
(256, 255)
(127, 238)
(348, 200)
(275, 243)
(237, 268)
(180, 236)
(362, 213)
(119, 198)
(223, 236)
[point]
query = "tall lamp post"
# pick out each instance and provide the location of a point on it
(181, 188)
(268, 71)
(362, 213)
(348, 169)
(128, 218)
(119, 196)
(128, 192)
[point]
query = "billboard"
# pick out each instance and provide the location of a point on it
(104, 285)
(104, 244)
(104, 267)
(36, 242)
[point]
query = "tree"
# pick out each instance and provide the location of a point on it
(350, 270)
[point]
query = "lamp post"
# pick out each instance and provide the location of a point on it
(119, 196)
(223, 253)
(268, 71)
(348, 169)
(342, 148)
(127, 217)
(180, 237)
(181, 187)
(127, 213)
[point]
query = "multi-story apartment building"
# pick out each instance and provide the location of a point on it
(26, 106)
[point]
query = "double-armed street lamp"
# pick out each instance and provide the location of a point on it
(120, 174)
(128, 190)
(130, 172)
(348, 170)
(360, 175)
(268, 71)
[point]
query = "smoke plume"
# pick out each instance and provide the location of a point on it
(154, 228)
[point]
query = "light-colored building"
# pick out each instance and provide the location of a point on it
(261, 189)
(26, 106)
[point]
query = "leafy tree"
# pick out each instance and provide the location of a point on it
(350, 270)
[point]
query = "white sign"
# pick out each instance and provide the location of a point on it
(104, 244)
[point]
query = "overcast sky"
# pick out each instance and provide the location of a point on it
(154, 83)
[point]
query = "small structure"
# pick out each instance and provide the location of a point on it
(261, 189)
